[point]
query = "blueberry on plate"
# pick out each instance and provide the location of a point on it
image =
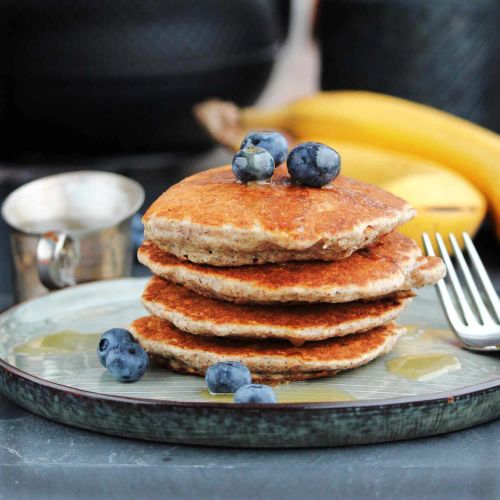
(228, 376)
(255, 393)
(127, 362)
(253, 164)
(273, 142)
(111, 339)
(313, 164)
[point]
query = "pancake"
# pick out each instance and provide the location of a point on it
(268, 378)
(209, 218)
(267, 359)
(200, 315)
(394, 264)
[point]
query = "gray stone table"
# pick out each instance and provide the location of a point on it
(43, 459)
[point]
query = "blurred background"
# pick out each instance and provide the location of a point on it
(110, 84)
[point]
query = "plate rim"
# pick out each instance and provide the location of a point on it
(422, 399)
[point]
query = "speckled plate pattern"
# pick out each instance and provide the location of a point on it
(427, 385)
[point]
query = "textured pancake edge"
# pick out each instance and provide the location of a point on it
(424, 271)
(245, 247)
(199, 360)
(429, 271)
(296, 334)
(260, 378)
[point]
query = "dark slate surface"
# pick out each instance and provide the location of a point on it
(42, 459)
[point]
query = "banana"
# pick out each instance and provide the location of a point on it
(395, 124)
(457, 208)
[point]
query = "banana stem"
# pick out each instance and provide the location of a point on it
(252, 118)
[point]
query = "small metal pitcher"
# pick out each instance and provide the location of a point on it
(70, 228)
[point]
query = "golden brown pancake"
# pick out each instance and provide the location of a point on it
(394, 264)
(266, 359)
(200, 315)
(210, 218)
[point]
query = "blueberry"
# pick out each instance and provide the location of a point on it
(273, 142)
(255, 393)
(111, 339)
(253, 164)
(313, 164)
(127, 362)
(227, 377)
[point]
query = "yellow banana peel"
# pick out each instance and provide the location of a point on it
(399, 125)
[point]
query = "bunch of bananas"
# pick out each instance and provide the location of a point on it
(446, 167)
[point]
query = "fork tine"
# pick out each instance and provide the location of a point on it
(470, 319)
(444, 294)
(483, 275)
(428, 245)
(483, 312)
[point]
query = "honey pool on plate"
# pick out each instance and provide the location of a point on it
(296, 392)
(62, 342)
(423, 366)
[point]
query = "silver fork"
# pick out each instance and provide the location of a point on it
(479, 330)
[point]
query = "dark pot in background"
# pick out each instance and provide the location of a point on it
(444, 53)
(98, 77)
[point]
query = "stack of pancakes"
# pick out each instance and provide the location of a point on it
(294, 282)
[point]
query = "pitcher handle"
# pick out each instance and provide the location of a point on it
(57, 257)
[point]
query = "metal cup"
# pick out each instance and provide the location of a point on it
(70, 228)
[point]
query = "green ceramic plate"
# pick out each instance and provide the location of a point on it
(427, 385)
